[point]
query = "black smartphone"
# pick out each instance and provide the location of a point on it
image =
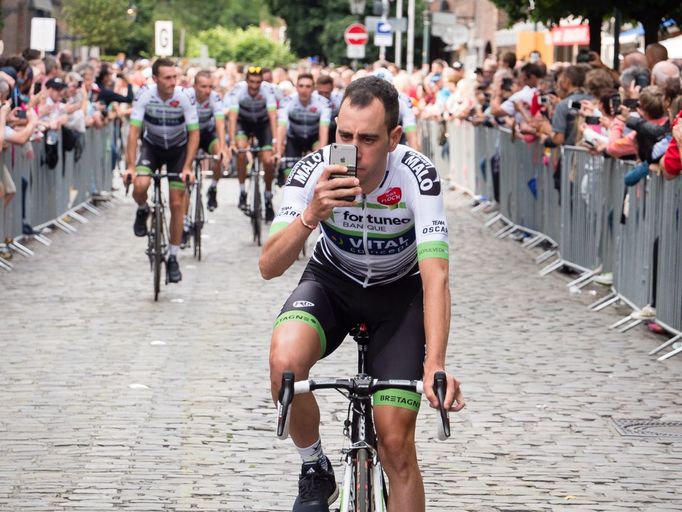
(507, 84)
(21, 114)
(592, 119)
(615, 103)
(574, 105)
(642, 81)
(346, 155)
(631, 103)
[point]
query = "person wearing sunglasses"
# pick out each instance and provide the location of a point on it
(252, 114)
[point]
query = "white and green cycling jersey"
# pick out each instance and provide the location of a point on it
(166, 123)
(381, 239)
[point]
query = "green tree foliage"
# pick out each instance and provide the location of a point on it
(315, 27)
(248, 46)
(98, 22)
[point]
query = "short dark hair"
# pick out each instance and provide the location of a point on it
(203, 73)
(361, 92)
(161, 63)
(575, 75)
(509, 58)
(307, 76)
(325, 80)
(531, 69)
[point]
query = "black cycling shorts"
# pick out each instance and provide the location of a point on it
(394, 313)
(258, 129)
(153, 157)
(299, 146)
(207, 140)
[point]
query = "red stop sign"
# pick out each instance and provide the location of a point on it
(356, 34)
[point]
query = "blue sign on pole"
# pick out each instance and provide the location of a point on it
(384, 34)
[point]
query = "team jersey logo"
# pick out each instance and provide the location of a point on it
(313, 109)
(424, 172)
(391, 197)
(303, 304)
(174, 103)
(303, 169)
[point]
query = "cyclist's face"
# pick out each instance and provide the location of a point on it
(202, 86)
(325, 90)
(365, 128)
(304, 88)
(167, 79)
(253, 83)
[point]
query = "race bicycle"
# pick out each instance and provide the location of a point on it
(254, 208)
(196, 206)
(364, 484)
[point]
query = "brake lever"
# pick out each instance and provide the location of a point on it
(286, 396)
(440, 385)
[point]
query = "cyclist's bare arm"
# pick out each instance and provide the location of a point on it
(192, 146)
(435, 281)
(232, 128)
(131, 146)
(283, 247)
(272, 117)
(281, 138)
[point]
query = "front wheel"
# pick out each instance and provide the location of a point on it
(158, 234)
(363, 484)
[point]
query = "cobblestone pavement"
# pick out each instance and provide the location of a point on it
(112, 401)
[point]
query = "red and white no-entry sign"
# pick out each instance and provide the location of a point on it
(356, 34)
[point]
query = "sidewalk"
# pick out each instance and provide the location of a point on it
(112, 401)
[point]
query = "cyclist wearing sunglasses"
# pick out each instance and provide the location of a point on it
(252, 108)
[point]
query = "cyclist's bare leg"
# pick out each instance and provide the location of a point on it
(177, 209)
(268, 166)
(217, 168)
(140, 188)
(395, 430)
(295, 347)
(242, 143)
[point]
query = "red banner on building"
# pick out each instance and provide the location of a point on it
(571, 35)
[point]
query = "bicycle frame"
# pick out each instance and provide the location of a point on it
(359, 425)
(157, 242)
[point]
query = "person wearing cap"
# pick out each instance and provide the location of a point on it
(52, 112)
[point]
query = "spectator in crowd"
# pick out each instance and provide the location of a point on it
(563, 128)
(637, 142)
(528, 80)
(655, 52)
(664, 71)
(106, 81)
(633, 59)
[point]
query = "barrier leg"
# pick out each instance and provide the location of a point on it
(492, 220)
(552, 267)
(91, 209)
(506, 231)
(620, 322)
(545, 256)
(24, 251)
(42, 239)
(666, 344)
(78, 217)
(584, 279)
(670, 354)
(5, 265)
(66, 228)
(632, 324)
(533, 241)
(604, 302)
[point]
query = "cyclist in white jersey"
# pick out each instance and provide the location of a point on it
(211, 127)
(303, 120)
(253, 108)
(171, 137)
(381, 259)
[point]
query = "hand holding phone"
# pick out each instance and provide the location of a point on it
(346, 155)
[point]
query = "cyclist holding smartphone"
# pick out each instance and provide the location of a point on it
(382, 259)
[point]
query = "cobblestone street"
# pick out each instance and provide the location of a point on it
(112, 401)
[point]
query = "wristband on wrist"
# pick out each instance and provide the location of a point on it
(310, 227)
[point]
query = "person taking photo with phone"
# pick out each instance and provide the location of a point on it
(381, 259)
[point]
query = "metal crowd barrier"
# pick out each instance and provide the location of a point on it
(596, 223)
(53, 196)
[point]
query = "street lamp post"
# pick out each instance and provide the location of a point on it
(357, 7)
(427, 32)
